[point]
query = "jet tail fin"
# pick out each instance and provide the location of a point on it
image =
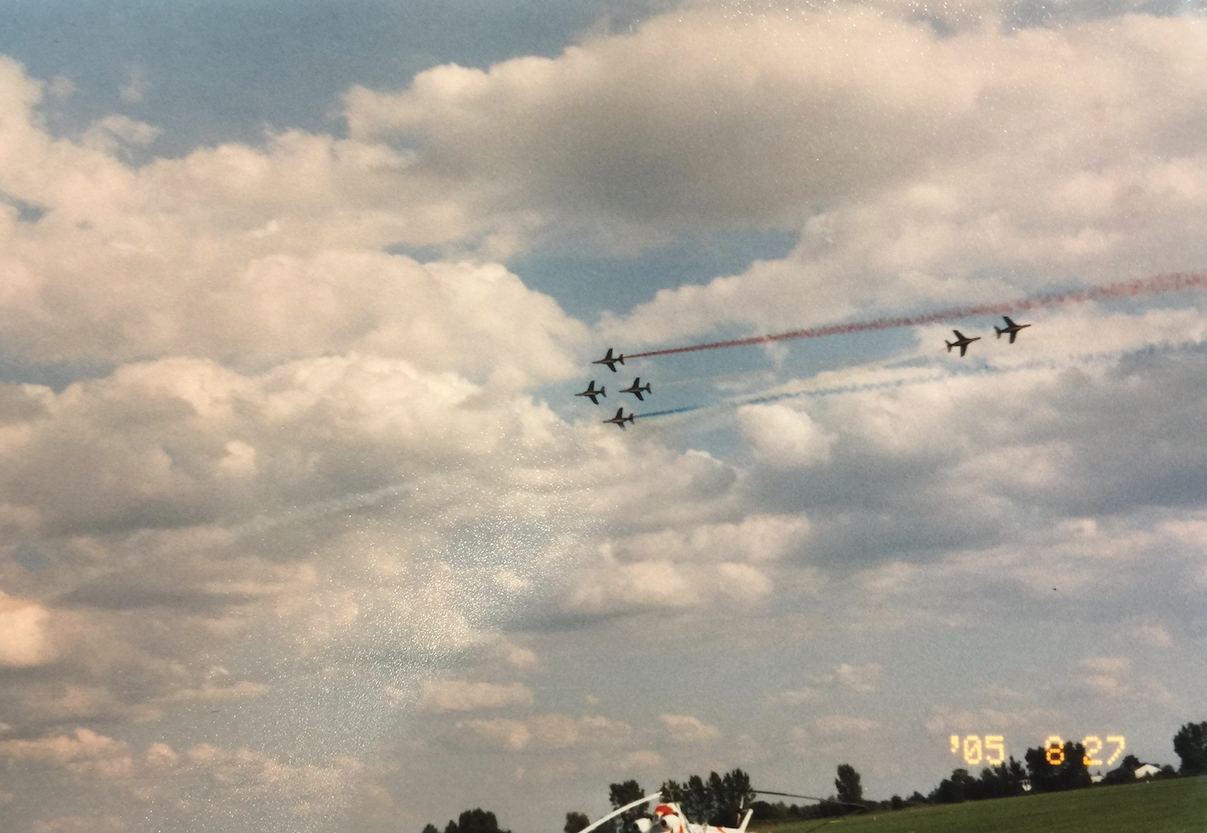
(998, 330)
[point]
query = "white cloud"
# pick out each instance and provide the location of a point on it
(24, 635)
(84, 751)
(135, 88)
(177, 267)
(512, 734)
(784, 437)
(643, 759)
(999, 207)
(862, 678)
(1151, 635)
(757, 538)
(112, 133)
(548, 732)
(611, 587)
(1104, 674)
(79, 824)
(457, 695)
(683, 728)
(944, 719)
(843, 725)
(655, 125)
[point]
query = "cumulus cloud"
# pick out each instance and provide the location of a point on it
(457, 695)
(998, 208)
(783, 436)
(24, 638)
(683, 728)
(944, 719)
(611, 587)
(81, 752)
(859, 678)
(840, 724)
(548, 732)
(1151, 635)
(756, 538)
(655, 125)
(238, 254)
(294, 439)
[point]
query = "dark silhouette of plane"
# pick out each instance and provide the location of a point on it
(609, 361)
(1010, 327)
(636, 389)
(620, 419)
(961, 341)
(591, 392)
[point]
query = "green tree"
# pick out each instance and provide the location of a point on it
(697, 800)
(731, 795)
(848, 785)
(430, 828)
(960, 787)
(1004, 780)
(475, 821)
(1190, 744)
(622, 794)
(574, 822)
(1054, 769)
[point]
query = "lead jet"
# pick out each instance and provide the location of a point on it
(636, 389)
(1010, 327)
(961, 341)
(591, 392)
(609, 361)
(620, 419)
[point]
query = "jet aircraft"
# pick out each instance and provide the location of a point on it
(636, 389)
(961, 341)
(620, 419)
(610, 361)
(591, 392)
(1010, 327)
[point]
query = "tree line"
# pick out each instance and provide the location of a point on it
(722, 799)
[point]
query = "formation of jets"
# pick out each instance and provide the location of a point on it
(611, 360)
(962, 341)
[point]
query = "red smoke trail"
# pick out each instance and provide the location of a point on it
(1175, 282)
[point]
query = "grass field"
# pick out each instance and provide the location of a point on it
(1174, 806)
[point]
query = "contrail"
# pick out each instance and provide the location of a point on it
(932, 377)
(1173, 282)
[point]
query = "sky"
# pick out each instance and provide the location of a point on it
(302, 527)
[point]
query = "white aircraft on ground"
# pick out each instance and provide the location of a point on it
(668, 818)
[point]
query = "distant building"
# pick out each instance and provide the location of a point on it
(1096, 777)
(1147, 771)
